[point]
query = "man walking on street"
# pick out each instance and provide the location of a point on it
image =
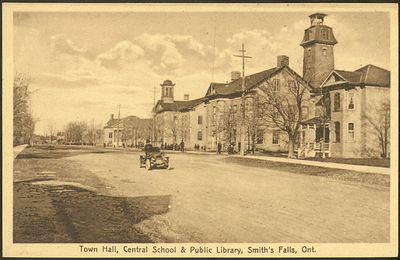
(219, 147)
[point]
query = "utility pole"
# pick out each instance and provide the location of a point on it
(119, 114)
(242, 125)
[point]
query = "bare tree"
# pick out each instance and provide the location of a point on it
(254, 119)
(172, 126)
(380, 122)
(225, 123)
(51, 127)
(75, 132)
(283, 104)
(24, 123)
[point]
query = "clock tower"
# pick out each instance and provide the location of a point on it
(318, 42)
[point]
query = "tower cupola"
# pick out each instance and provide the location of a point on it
(167, 91)
(318, 43)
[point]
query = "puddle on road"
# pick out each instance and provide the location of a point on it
(50, 211)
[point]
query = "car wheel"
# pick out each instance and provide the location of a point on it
(148, 165)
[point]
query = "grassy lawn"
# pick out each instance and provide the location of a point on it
(378, 162)
(336, 174)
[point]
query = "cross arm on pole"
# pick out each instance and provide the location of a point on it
(243, 56)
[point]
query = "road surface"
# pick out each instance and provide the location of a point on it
(210, 200)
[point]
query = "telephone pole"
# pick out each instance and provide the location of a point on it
(119, 114)
(242, 125)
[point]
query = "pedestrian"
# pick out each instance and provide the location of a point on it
(182, 145)
(219, 147)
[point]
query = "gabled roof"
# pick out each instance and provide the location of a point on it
(235, 86)
(179, 105)
(368, 75)
(129, 121)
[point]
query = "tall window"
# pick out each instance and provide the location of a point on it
(200, 120)
(337, 132)
(350, 100)
(275, 137)
(275, 85)
(323, 51)
(110, 135)
(336, 102)
(350, 131)
(309, 52)
(199, 135)
(324, 34)
(260, 136)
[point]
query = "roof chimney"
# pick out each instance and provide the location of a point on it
(186, 97)
(112, 117)
(235, 75)
(283, 60)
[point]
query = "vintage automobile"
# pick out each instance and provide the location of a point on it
(154, 158)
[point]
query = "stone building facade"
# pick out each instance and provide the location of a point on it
(342, 111)
(216, 117)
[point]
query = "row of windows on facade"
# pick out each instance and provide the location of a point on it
(337, 101)
(259, 136)
(275, 114)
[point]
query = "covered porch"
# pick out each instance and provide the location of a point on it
(314, 138)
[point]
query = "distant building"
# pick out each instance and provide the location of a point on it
(127, 131)
(60, 137)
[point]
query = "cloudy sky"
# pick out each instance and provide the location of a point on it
(82, 65)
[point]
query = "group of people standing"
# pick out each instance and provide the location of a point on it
(175, 146)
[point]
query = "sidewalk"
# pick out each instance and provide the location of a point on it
(18, 149)
(357, 168)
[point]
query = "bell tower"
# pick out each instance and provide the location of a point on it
(167, 91)
(318, 42)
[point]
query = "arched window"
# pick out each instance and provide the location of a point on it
(324, 51)
(336, 102)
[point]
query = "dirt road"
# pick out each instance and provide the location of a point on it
(215, 201)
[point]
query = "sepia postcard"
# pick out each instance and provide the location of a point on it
(200, 130)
